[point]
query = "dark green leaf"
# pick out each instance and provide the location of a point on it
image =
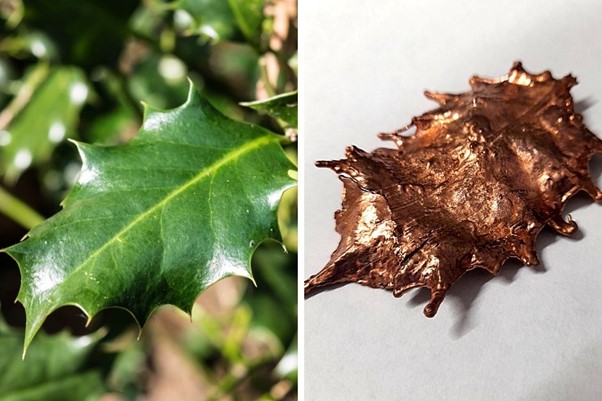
(52, 370)
(44, 113)
(282, 107)
(156, 220)
(249, 17)
(125, 372)
(80, 387)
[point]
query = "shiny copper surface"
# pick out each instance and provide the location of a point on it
(482, 175)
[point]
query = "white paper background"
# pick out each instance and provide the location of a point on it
(525, 335)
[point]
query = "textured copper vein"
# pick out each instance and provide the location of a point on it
(476, 183)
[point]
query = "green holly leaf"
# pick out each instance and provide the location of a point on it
(249, 17)
(45, 112)
(211, 19)
(282, 107)
(157, 220)
(54, 369)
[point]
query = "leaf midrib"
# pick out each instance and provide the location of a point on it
(206, 172)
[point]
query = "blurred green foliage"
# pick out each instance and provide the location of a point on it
(55, 369)
(80, 69)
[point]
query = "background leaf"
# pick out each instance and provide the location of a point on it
(212, 19)
(45, 113)
(249, 17)
(52, 370)
(158, 219)
(87, 32)
(282, 107)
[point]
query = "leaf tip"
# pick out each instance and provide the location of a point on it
(139, 334)
(81, 147)
(193, 97)
(250, 277)
(30, 332)
(148, 111)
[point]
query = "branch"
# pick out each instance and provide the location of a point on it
(18, 210)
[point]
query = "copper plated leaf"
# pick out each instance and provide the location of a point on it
(476, 183)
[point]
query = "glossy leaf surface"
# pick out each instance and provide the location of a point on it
(157, 220)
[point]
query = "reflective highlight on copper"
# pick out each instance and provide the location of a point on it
(476, 183)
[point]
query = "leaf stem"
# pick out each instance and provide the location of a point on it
(18, 210)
